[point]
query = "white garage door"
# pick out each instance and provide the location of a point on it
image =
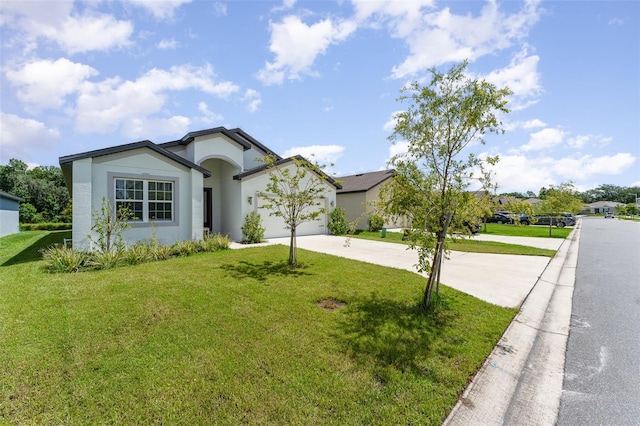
(275, 225)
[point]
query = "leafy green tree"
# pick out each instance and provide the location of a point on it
(295, 194)
(559, 199)
(338, 223)
(445, 118)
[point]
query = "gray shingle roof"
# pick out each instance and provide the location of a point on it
(362, 182)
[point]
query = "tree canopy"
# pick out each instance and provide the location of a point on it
(443, 120)
(42, 188)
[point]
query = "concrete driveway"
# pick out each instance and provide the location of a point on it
(501, 279)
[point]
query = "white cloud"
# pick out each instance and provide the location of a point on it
(443, 37)
(220, 8)
(323, 154)
(296, 46)
(534, 123)
(22, 137)
(147, 128)
(46, 84)
(74, 33)
(86, 33)
(616, 21)
(160, 9)
(390, 125)
(253, 99)
(522, 77)
(544, 139)
(167, 44)
(208, 117)
(521, 173)
(113, 103)
(401, 17)
(398, 148)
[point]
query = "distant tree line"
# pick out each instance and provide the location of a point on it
(46, 198)
(606, 192)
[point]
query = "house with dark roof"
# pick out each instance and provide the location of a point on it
(207, 181)
(9, 214)
(359, 192)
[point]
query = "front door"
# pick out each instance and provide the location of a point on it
(206, 205)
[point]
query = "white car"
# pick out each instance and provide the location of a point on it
(608, 215)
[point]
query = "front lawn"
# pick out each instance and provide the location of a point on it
(232, 337)
(464, 244)
(540, 231)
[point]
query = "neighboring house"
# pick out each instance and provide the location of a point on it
(9, 214)
(357, 194)
(603, 207)
(206, 181)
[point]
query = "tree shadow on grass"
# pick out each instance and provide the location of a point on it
(393, 333)
(261, 271)
(33, 253)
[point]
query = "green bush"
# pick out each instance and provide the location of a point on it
(216, 242)
(105, 259)
(139, 253)
(252, 230)
(338, 223)
(45, 226)
(64, 259)
(375, 223)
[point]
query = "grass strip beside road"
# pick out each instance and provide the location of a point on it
(538, 231)
(233, 337)
(465, 245)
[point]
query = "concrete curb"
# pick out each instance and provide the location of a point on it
(521, 380)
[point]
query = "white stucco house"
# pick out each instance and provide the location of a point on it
(9, 214)
(206, 181)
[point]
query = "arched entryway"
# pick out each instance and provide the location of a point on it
(221, 198)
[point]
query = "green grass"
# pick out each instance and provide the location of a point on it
(232, 337)
(526, 231)
(466, 245)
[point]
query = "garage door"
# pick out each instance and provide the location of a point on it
(275, 225)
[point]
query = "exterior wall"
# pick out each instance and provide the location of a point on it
(354, 205)
(93, 180)
(9, 216)
(82, 203)
(216, 146)
(254, 184)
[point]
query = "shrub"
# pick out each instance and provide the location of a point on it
(105, 259)
(252, 230)
(215, 242)
(185, 248)
(375, 223)
(139, 253)
(338, 223)
(45, 226)
(64, 259)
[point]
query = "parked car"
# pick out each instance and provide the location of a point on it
(500, 218)
(523, 219)
(608, 215)
(560, 222)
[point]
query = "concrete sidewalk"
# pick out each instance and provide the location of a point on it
(520, 382)
(501, 279)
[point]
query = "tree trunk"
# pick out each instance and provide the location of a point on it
(293, 253)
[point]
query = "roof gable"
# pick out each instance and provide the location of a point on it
(132, 146)
(284, 161)
(363, 182)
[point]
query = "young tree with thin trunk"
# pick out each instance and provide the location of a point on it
(444, 120)
(295, 193)
(559, 199)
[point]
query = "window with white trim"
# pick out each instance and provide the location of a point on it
(148, 200)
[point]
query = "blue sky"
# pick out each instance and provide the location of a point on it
(322, 78)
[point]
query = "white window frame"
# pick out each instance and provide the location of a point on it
(146, 179)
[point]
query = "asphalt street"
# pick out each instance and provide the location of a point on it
(602, 365)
